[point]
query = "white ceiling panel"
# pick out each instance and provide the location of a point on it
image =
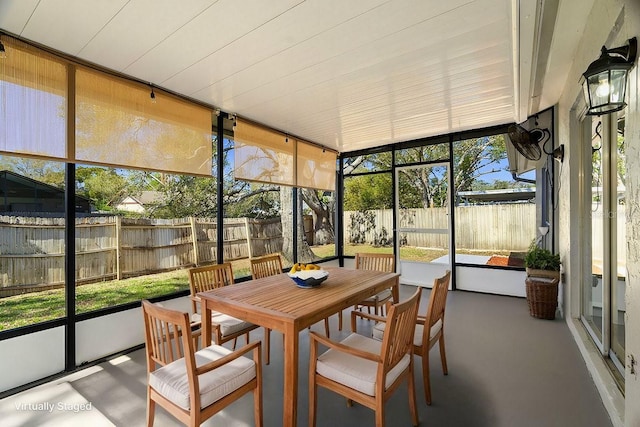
(346, 74)
(71, 27)
(14, 14)
(204, 35)
(257, 50)
(341, 49)
(134, 23)
(400, 50)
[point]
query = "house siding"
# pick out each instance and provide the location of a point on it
(610, 23)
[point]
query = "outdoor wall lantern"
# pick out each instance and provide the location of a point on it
(605, 80)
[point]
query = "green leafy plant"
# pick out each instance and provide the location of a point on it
(541, 259)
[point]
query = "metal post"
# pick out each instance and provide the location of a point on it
(70, 267)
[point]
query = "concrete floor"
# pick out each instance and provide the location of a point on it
(506, 369)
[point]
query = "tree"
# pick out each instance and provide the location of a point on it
(425, 186)
(323, 208)
(106, 186)
(186, 195)
(364, 192)
(46, 171)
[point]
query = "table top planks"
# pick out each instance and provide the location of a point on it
(277, 297)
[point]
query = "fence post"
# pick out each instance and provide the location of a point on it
(248, 233)
(194, 236)
(118, 252)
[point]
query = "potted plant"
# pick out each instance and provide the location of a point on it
(540, 262)
(543, 275)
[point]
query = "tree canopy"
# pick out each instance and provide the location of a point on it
(184, 195)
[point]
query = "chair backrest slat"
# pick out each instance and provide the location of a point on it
(265, 266)
(398, 333)
(374, 261)
(202, 279)
(168, 334)
(438, 300)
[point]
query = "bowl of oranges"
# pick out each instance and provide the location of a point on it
(307, 275)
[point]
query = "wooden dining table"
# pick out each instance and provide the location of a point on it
(276, 302)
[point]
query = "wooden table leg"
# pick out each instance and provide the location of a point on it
(290, 413)
(206, 324)
(395, 290)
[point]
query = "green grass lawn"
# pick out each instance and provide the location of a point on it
(36, 307)
(407, 253)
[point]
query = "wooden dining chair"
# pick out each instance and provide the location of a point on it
(429, 329)
(270, 265)
(195, 385)
(366, 370)
(265, 266)
(375, 262)
(224, 327)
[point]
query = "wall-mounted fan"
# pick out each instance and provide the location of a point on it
(529, 143)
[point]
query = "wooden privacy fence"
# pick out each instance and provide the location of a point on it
(32, 248)
(483, 227)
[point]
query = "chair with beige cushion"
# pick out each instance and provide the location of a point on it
(366, 370)
(195, 385)
(429, 329)
(224, 327)
(375, 262)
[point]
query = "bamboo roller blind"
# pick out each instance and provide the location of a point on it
(33, 98)
(263, 155)
(116, 124)
(269, 156)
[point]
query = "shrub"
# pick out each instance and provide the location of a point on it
(541, 259)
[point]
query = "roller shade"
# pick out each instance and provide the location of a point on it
(33, 102)
(118, 125)
(263, 155)
(316, 167)
(266, 155)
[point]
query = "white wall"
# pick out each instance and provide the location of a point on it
(491, 281)
(38, 355)
(105, 335)
(603, 28)
(632, 139)
(31, 357)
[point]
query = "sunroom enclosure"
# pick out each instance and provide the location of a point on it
(155, 221)
(435, 193)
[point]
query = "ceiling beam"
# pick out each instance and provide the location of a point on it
(525, 37)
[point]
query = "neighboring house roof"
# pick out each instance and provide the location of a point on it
(147, 197)
(506, 195)
(16, 186)
(138, 202)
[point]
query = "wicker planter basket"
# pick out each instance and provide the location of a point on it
(534, 272)
(542, 297)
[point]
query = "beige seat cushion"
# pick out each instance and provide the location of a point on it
(171, 380)
(378, 331)
(228, 325)
(356, 372)
(381, 296)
